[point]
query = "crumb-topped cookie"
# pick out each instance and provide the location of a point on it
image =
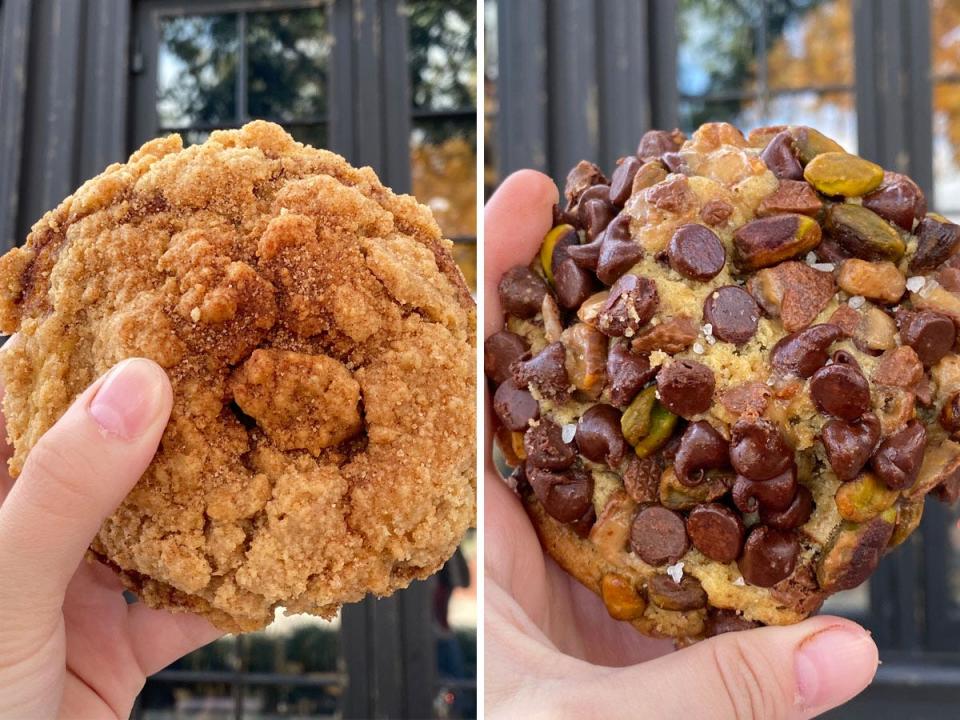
(729, 379)
(319, 340)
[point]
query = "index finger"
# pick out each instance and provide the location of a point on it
(515, 220)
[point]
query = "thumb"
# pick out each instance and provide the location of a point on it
(74, 477)
(796, 671)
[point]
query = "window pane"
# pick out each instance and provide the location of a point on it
(443, 158)
(197, 70)
(287, 56)
(810, 45)
(716, 51)
(945, 37)
(443, 53)
(946, 149)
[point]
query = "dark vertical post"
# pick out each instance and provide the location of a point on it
(15, 18)
(663, 63)
(522, 120)
(341, 78)
(396, 96)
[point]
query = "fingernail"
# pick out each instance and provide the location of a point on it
(829, 663)
(128, 401)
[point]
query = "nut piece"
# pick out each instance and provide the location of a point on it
(809, 143)
(937, 240)
(586, 358)
(898, 199)
(766, 242)
(792, 291)
(688, 594)
(876, 331)
(792, 196)
(881, 281)
(900, 367)
(583, 175)
(675, 495)
(662, 423)
(671, 336)
(864, 498)
(863, 233)
(636, 419)
(854, 552)
(839, 173)
(590, 308)
(909, 515)
(649, 174)
(623, 600)
(548, 248)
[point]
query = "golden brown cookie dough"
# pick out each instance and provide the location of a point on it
(730, 378)
(320, 344)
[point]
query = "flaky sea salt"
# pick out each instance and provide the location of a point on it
(823, 267)
(929, 288)
(711, 340)
(708, 329)
(698, 348)
(811, 258)
(856, 301)
(916, 282)
(739, 582)
(568, 431)
(675, 571)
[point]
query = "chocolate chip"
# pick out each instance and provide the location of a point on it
(781, 158)
(599, 437)
(521, 292)
(950, 414)
(582, 525)
(587, 255)
(672, 196)
(719, 622)
(898, 199)
(675, 162)
(936, 241)
(514, 407)
(714, 212)
(666, 593)
(686, 387)
(769, 556)
(702, 448)
(716, 531)
(546, 371)
(545, 448)
(499, 351)
(641, 478)
(898, 459)
(853, 554)
(696, 252)
(566, 495)
(758, 450)
(829, 251)
(583, 175)
(848, 446)
(632, 302)
(733, 313)
(573, 284)
(627, 373)
(931, 334)
(796, 514)
(803, 353)
(658, 535)
(775, 493)
(618, 253)
(840, 390)
(621, 182)
(655, 143)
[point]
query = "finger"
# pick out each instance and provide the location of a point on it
(795, 671)
(159, 637)
(74, 477)
(515, 220)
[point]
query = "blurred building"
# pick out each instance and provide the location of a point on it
(386, 83)
(572, 79)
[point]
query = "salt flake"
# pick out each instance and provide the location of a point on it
(856, 301)
(823, 267)
(567, 432)
(811, 258)
(915, 283)
(698, 348)
(708, 329)
(675, 571)
(739, 582)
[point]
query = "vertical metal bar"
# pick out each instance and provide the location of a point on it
(419, 647)
(357, 646)
(15, 16)
(663, 63)
(573, 124)
(396, 95)
(864, 51)
(241, 85)
(145, 45)
(341, 101)
(522, 91)
(368, 82)
(919, 89)
(622, 76)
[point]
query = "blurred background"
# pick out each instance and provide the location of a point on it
(386, 83)
(572, 79)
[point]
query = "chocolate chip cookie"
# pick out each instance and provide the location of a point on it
(319, 341)
(729, 379)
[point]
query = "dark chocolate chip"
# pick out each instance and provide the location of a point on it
(627, 373)
(566, 495)
(618, 253)
(582, 176)
(898, 199)
(599, 437)
(719, 622)
(686, 387)
(621, 182)
(775, 493)
(696, 252)
(546, 371)
(769, 556)
(716, 531)
(499, 351)
(848, 446)
(781, 158)
(632, 302)
(573, 283)
(794, 516)
(702, 448)
(733, 313)
(936, 242)
(521, 292)
(931, 334)
(655, 143)
(545, 448)
(758, 450)
(587, 255)
(658, 535)
(803, 353)
(840, 390)
(666, 593)
(514, 406)
(714, 212)
(898, 459)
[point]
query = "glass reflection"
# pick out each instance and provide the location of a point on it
(716, 46)
(443, 53)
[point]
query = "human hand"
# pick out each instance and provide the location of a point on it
(551, 648)
(70, 645)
